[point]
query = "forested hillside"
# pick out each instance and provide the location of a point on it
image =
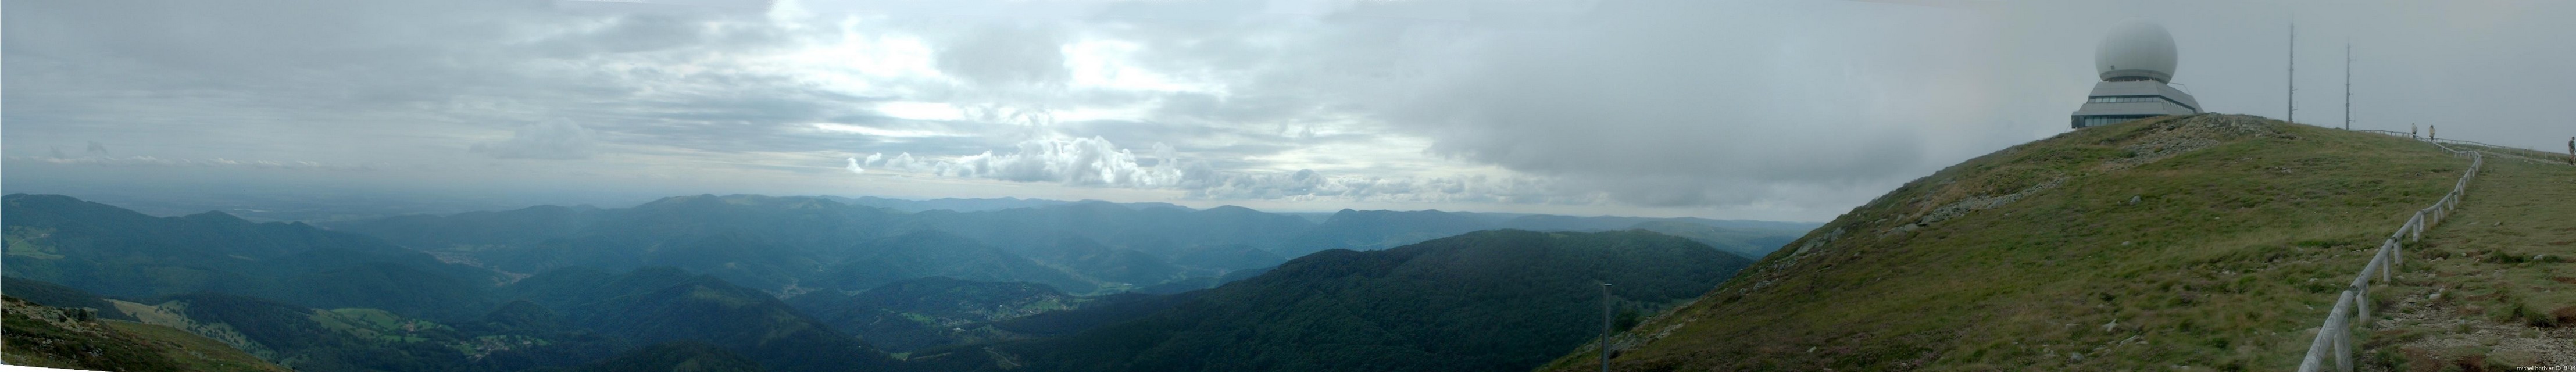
(1492, 300)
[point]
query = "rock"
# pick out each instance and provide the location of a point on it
(2133, 200)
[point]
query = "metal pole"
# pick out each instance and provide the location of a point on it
(1605, 327)
(2294, 72)
(2347, 86)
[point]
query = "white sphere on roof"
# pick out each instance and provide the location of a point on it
(2136, 50)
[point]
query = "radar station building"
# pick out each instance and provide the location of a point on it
(2136, 61)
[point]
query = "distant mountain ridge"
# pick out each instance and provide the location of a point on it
(117, 252)
(1489, 300)
(1379, 229)
(791, 245)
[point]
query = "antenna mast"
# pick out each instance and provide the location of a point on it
(2294, 72)
(2347, 86)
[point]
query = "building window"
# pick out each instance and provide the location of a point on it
(2101, 120)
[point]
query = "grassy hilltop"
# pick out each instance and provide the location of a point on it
(2203, 242)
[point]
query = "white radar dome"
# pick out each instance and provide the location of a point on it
(2136, 50)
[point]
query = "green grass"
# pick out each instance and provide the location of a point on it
(2230, 256)
(199, 353)
(43, 337)
(168, 314)
(2500, 263)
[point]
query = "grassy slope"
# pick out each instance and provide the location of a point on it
(205, 354)
(2230, 253)
(2499, 263)
(39, 337)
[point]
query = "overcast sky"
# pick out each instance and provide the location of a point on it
(1775, 110)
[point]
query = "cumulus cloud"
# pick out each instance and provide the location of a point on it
(551, 139)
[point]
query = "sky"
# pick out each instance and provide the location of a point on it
(1768, 110)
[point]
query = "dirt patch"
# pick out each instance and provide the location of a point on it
(2168, 138)
(1975, 203)
(2467, 340)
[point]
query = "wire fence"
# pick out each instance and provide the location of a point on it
(2508, 151)
(2334, 342)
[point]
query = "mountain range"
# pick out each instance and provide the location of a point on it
(811, 284)
(1488, 300)
(792, 245)
(117, 252)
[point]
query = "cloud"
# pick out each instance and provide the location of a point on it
(1096, 162)
(551, 139)
(1811, 105)
(150, 161)
(1006, 55)
(1072, 161)
(1657, 103)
